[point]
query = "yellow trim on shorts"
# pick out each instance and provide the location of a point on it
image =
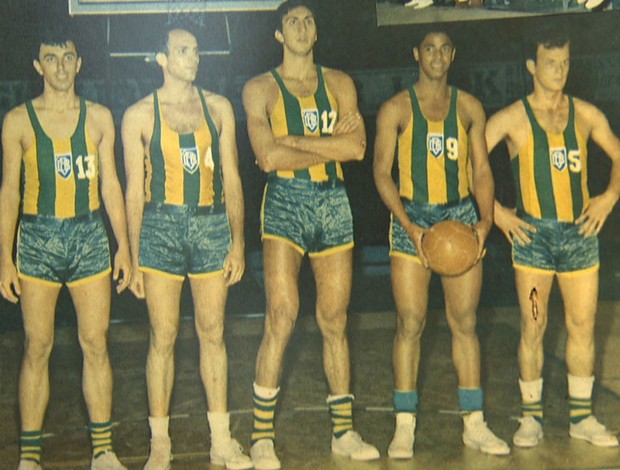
(85, 280)
(39, 280)
(533, 270)
(176, 277)
(205, 275)
(331, 251)
(580, 272)
(297, 248)
(407, 256)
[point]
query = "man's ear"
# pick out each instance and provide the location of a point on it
(37, 67)
(416, 54)
(79, 65)
(530, 65)
(161, 59)
(279, 36)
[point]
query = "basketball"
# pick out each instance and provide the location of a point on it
(451, 247)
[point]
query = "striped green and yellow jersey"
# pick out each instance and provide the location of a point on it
(550, 171)
(60, 177)
(433, 156)
(314, 115)
(184, 169)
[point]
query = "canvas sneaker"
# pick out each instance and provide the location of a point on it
(401, 446)
(419, 4)
(264, 456)
(160, 455)
(589, 429)
(28, 465)
(529, 432)
(478, 436)
(230, 454)
(106, 461)
(353, 446)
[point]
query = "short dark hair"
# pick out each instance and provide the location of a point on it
(191, 28)
(431, 30)
(288, 5)
(547, 38)
(54, 34)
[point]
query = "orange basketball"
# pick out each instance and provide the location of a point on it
(451, 247)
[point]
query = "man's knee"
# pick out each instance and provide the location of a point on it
(94, 344)
(280, 323)
(410, 326)
(37, 349)
(163, 339)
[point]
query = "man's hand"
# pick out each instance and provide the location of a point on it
(136, 284)
(595, 214)
(513, 227)
(234, 265)
(10, 288)
(122, 270)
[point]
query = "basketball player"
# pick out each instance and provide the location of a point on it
(438, 131)
(554, 230)
(63, 147)
(180, 160)
(303, 122)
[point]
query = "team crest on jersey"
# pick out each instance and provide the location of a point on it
(434, 142)
(311, 119)
(64, 165)
(189, 157)
(558, 157)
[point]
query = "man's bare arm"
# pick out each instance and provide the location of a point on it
(134, 151)
(111, 193)
(10, 197)
(234, 265)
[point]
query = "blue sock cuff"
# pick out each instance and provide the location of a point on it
(406, 402)
(470, 399)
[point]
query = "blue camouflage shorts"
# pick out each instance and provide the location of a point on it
(312, 217)
(183, 240)
(556, 247)
(426, 215)
(62, 251)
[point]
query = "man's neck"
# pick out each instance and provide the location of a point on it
(177, 91)
(545, 99)
(58, 101)
(295, 67)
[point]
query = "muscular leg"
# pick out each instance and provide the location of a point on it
(281, 264)
(333, 275)
(462, 294)
(38, 303)
(163, 296)
(531, 351)
(580, 294)
(92, 305)
(410, 282)
(209, 296)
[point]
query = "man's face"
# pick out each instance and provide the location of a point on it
(435, 55)
(58, 65)
(299, 33)
(550, 70)
(182, 59)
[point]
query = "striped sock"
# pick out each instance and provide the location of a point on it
(533, 409)
(580, 397)
(579, 409)
(265, 401)
(31, 445)
(341, 410)
(101, 437)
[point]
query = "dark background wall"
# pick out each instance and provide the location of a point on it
(489, 64)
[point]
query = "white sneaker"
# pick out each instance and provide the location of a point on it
(28, 465)
(264, 455)
(419, 4)
(353, 446)
(529, 432)
(401, 446)
(230, 454)
(160, 454)
(595, 433)
(106, 461)
(478, 436)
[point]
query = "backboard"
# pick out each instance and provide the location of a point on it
(128, 7)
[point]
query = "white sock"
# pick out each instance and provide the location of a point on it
(159, 426)
(265, 392)
(531, 390)
(580, 387)
(219, 423)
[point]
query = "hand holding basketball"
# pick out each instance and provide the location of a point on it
(451, 247)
